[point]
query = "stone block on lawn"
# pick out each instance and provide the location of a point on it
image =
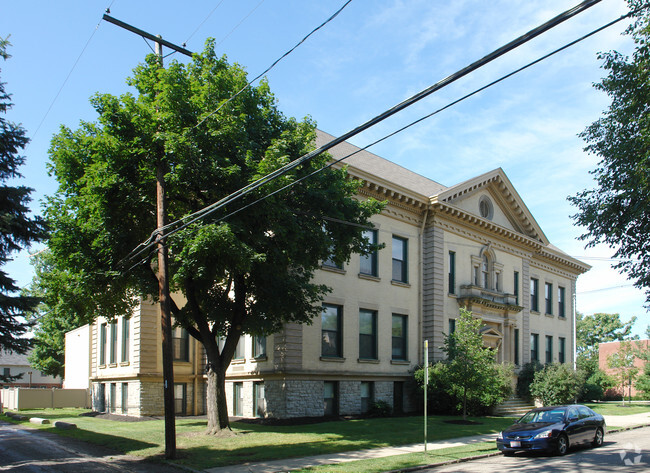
(39, 420)
(64, 425)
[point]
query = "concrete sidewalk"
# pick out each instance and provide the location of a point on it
(289, 464)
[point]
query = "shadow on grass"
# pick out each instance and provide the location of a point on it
(325, 438)
(114, 442)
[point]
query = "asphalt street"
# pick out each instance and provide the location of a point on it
(627, 451)
(28, 450)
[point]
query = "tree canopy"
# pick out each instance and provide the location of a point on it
(616, 212)
(246, 268)
(591, 330)
(470, 368)
(17, 229)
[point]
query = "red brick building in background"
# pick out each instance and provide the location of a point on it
(605, 350)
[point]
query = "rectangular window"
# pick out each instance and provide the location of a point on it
(331, 331)
(180, 399)
(400, 263)
(240, 349)
(549, 349)
(102, 344)
(534, 291)
(238, 399)
(562, 350)
(534, 347)
(452, 272)
(516, 347)
(368, 263)
(548, 297)
(112, 398)
(367, 395)
(259, 400)
(113, 347)
(125, 339)
(516, 283)
(259, 346)
(367, 334)
(6, 372)
(561, 308)
(181, 344)
(399, 337)
(125, 398)
(452, 326)
(330, 398)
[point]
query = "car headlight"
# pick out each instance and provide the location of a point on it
(544, 435)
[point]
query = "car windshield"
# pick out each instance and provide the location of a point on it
(551, 416)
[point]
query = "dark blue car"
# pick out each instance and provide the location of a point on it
(553, 429)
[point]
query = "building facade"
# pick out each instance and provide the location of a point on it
(472, 245)
(14, 364)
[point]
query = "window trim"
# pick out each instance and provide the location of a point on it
(404, 338)
(403, 261)
(534, 294)
(549, 349)
(451, 275)
(373, 257)
(373, 334)
(561, 301)
(338, 332)
(534, 347)
(548, 298)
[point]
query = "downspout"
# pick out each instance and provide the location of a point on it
(421, 286)
(573, 321)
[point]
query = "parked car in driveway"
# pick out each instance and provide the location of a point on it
(553, 429)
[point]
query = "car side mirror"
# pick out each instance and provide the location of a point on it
(573, 418)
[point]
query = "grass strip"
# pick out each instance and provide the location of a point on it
(410, 460)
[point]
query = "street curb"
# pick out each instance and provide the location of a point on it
(488, 455)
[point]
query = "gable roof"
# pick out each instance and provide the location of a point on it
(508, 197)
(380, 167)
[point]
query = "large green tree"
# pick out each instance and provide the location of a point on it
(592, 330)
(616, 212)
(247, 272)
(17, 229)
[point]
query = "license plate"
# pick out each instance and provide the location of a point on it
(515, 443)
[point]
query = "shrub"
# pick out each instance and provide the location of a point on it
(379, 409)
(596, 385)
(557, 383)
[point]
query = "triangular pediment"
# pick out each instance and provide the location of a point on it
(492, 197)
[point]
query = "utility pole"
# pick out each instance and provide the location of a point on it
(163, 276)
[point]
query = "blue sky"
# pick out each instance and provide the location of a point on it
(373, 55)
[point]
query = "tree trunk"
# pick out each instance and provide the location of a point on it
(465, 403)
(217, 407)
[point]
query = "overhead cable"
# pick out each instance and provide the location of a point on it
(194, 217)
(272, 65)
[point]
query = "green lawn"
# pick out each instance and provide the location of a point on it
(252, 442)
(618, 409)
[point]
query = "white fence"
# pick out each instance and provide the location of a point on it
(31, 398)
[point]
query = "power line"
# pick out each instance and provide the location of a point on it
(397, 108)
(241, 21)
(604, 289)
(65, 81)
(273, 65)
(202, 23)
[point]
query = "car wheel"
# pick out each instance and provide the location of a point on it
(598, 438)
(562, 445)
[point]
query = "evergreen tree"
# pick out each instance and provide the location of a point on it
(17, 229)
